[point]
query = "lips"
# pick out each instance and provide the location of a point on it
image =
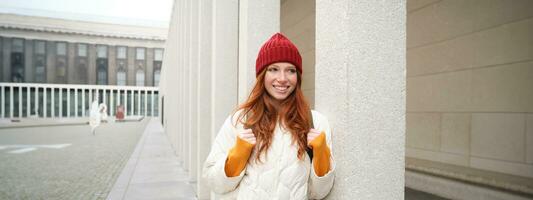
(281, 89)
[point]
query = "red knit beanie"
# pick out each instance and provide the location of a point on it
(278, 49)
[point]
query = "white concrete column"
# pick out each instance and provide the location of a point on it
(11, 94)
(76, 102)
(145, 92)
(68, 101)
(52, 92)
(132, 102)
(186, 85)
(44, 102)
(20, 102)
(36, 109)
(90, 101)
(258, 20)
(224, 60)
(28, 100)
(112, 102)
(193, 90)
(60, 102)
(360, 87)
(83, 102)
(181, 63)
(204, 92)
(169, 80)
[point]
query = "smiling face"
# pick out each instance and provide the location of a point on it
(280, 80)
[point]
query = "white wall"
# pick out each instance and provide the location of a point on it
(368, 166)
(298, 24)
(360, 87)
(469, 84)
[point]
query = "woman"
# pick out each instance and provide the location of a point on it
(261, 151)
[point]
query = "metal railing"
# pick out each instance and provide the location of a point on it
(19, 100)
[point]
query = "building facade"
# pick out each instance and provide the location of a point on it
(429, 95)
(47, 50)
(209, 69)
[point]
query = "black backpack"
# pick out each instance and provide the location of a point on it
(311, 125)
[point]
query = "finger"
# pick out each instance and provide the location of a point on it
(248, 136)
(313, 135)
(251, 141)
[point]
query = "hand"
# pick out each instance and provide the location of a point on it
(247, 135)
(313, 133)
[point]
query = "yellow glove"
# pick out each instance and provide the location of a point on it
(321, 154)
(238, 157)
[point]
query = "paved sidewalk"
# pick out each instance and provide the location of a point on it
(64, 161)
(153, 170)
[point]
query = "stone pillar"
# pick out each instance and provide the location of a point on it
(360, 87)
(112, 65)
(169, 80)
(224, 63)
(224, 60)
(50, 62)
(72, 69)
(193, 89)
(91, 57)
(149, 69)
(204, 92)
(180, 77)
(6, 51)
(130, 68)
(258, 20)
(28, 61)
(186, 84)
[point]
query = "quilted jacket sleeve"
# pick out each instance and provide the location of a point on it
(213, 169)
(319, 187)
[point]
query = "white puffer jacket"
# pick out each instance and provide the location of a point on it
(281, 175)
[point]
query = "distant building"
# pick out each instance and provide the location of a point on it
(47, 50)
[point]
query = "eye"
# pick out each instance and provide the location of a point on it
(272, 69)
(292, 70)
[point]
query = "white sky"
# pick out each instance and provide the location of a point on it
(134, 12)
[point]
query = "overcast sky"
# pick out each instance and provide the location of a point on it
(136, 12)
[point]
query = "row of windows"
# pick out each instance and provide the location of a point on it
(101, 50)
(39, 60)
(139, 77)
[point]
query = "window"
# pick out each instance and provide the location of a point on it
(40, 61)
(18, 45)
(158, 54)
(102, 77)
(82, 50)
(101, 51)
(61, 48)
(40, 47)
(17, 60)
(139, 78)
(157, 76)
(158, 57)
(121, 52)
(139, 55)
(121, 77)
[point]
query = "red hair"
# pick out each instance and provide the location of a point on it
(260, 114)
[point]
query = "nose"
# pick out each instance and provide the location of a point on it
(282, 77)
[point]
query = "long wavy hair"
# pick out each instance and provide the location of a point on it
(261, 115)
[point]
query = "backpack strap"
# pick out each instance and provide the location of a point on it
(311, 125)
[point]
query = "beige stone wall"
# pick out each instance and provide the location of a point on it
(470, 84)
(298, 24)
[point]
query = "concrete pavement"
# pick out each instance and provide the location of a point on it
(66, 161)
(153, 170)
